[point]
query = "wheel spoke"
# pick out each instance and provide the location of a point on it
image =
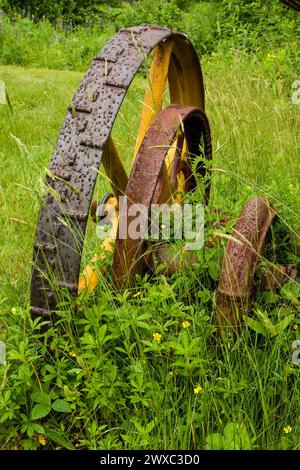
(114, 168)
(85, 141)
(154, 96)
(89, 279)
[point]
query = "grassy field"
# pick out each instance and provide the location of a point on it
(107, 383)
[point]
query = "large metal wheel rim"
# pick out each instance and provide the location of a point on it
(64, 212)
(240, 261)
(145, 176)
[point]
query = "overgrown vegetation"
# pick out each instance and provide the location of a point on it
(77, 11)
(144, 369)
(66, 43)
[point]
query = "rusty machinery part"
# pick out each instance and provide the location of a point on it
(98, 210)
(241, 257)
(85, 140)
(295, 4)
(147, 182)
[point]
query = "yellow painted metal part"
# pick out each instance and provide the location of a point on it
(175, 183)
(168, 163)
(153, 101)
(179, 195)
(181, 181)
(174, 62)
(89, 279)
(185, 77)
(114, 168)
(186, 87)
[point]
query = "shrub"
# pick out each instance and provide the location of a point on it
(77, 11)
(162, 12)
(26, 43)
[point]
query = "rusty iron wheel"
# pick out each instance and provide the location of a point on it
(85, 141)
(241, 276)
(241, 257)
(148, 184)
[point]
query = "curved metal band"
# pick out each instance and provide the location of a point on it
(240, 261)
(145, 176)
(72, 173)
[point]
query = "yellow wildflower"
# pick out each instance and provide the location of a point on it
(13, 310)
(157, 337)
(136, 295)
(287, 429)
(72, 354)
(198, 389)
(296, 327)
(185, 324)
(42, 440)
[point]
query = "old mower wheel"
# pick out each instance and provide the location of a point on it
(241, 274)
(150, 184)
(85, 141)
(240, 260)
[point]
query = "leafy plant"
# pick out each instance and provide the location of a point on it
(234, 437)
(265, 326)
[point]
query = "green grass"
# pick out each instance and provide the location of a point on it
(31, 44)
(117, 386)
(39, 99)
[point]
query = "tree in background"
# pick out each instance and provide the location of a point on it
(70, 10)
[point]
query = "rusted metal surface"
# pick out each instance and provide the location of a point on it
(240, 261)
(292, 4)
(82, 142)
(144, 184)
(170, 63)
